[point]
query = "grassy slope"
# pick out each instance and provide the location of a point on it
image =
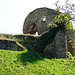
(32, 63)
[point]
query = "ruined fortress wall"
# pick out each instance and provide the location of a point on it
(10, 45)
(37, 20)
(71, 41)
(58, 48)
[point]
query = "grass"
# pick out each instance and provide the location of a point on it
(33, 63)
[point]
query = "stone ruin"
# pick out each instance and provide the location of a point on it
(7, 43)
(10, 45)
(37, 21)
(55, 42)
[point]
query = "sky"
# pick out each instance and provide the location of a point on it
(14, 12)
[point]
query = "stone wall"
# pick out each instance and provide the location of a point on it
(71, 41)
(55, 42)
(52, 43)
(37, 20)
(10, 45)
(58, 47)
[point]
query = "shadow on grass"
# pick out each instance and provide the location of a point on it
(31, 57)
(36, 44)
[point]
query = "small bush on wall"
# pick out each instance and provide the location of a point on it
(62, 19)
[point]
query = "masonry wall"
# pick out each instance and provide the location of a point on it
(10, 45)
(52, 43)
(58, 48)
(71, 41)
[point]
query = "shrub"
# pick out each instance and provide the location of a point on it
(62, 19)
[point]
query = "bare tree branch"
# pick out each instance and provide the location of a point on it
(69, 8)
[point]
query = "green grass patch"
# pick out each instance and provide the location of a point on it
(32, 63)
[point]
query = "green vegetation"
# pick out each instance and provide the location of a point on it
(33, 63)
(69, 55)
(62, 19)
(29, 62)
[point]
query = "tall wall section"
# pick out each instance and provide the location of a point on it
(71, 41)
(58, 48)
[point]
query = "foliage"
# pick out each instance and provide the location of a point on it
(62, 19)
(69, 55)
(69, 25)
(66, 8)
(33, 63)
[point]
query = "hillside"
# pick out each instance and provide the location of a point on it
(33, 63)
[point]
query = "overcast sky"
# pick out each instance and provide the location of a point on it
(14, 12)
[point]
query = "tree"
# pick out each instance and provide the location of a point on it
(66, 8)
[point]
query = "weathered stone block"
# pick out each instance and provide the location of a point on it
(10, 45)
(58, 48)
(71, 41)
(38, 20)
